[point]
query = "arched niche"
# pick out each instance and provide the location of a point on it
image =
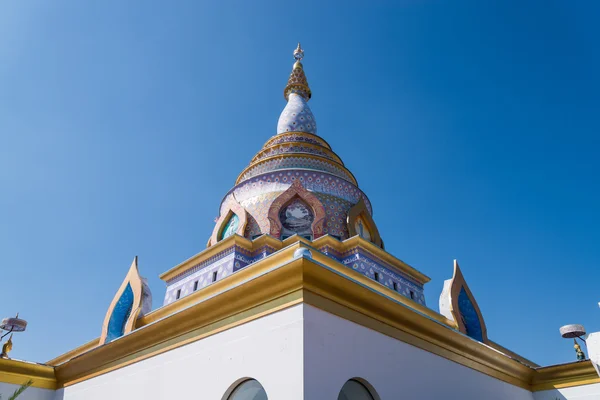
(357, 389)
(299, 194)
(458, 304)
(361, 223)
(125, 307)
(246, 389)
(234, 214)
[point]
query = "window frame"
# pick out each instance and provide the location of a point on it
(365, 384)
(228, 395)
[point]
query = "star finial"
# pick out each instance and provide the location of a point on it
(299, 53)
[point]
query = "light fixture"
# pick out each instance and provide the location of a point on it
(574, 332)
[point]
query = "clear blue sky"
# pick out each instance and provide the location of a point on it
(472, 126)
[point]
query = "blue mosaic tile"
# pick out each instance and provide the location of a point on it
(469, 315)
(120, 314)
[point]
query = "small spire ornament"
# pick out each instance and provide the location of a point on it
(299, 53)
(297, 82)
(7, 347)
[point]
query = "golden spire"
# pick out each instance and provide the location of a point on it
(297, 82)
(7, 347)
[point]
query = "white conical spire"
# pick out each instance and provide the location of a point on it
(297, 116)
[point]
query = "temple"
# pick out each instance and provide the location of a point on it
(295, 297)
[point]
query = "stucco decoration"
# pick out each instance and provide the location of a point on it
(361, 223)
(125, 307)
(458, 304)
(233, 219)
(294, 199)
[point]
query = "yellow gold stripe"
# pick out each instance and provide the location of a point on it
(18, 372)
(279, 282)
(193, 336)
(330, 152)
(349, 174)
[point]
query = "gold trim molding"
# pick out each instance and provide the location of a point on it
(564, 375)
(282, 281)
(279, 282)
(18, 372)
(349, 175)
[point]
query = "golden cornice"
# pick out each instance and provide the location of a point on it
(280, 281)
(267, 240)
(75, 352)
(233, 240)
(511, 353)
(243, 291)
(357, 241)
(350, 176)
(18, 372)
(564, 375)
(280, 275)
(335, 157)
(292, 133)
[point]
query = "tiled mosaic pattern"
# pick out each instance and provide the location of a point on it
(313, 181)
(367, 264)
(296, 116)
(258, 208)
(469, 316)
(236, 258)
(258, 194)
(253, 229)
(336, 211)
(120, 314)
(297, 83)
(299, 161)
(224, 264)
(294, 148)
(296, 137)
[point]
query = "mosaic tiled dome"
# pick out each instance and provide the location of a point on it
(295, 153)
(297, 116)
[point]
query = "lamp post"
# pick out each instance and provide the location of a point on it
(574, 332)
(10, 325)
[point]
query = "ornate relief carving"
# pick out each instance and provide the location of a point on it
(360, 223)
(233, 219)
(297, 191)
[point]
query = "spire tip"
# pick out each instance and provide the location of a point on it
(299, 53)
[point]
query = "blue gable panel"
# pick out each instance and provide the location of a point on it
(120, 314)
(469, 316)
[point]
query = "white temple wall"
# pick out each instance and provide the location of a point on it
(337, 350)
(584, 392)
(32, 393)
(268, 349)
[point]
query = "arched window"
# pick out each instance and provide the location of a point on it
(355, 390)
(230, 227)
(248, 390)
